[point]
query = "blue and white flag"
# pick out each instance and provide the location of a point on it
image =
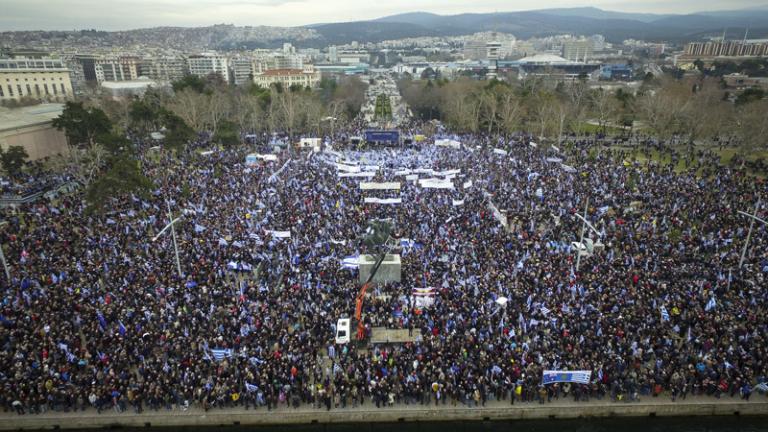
(554, 376)
(711, 304)
(121, 328)
(250, 388)
(545, 310)
(102, 321)
(351, 262)
(220, 353)
(664, 314)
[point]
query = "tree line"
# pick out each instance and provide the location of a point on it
(107, 163)
(692, 110)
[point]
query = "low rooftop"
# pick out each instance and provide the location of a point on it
(14, 118)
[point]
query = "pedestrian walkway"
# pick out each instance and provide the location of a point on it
(495, 410)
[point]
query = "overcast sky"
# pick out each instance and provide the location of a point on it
(130, 14)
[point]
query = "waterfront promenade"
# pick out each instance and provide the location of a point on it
(559, 409)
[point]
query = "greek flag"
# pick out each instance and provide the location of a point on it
(711, 304)
(121, 328)
(351, 262)
(554, 376)
(250, 388)
(219, 353)
(545, 310)
(664, 314)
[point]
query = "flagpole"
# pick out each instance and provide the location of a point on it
(581, 239)
(752, 217)
(2, 258)
(173, 233)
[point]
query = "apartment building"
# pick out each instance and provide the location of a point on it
(34, 75)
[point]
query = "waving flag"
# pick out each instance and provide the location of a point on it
(121, 328)
(711, 304)
(664, 314)
(220, 353)
(102, 321)
(351, 262)
(424, 292)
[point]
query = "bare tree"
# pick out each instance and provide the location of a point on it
(603, 104)
(511, 112)
(191, 106)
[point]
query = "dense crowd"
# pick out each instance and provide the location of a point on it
(96, 314)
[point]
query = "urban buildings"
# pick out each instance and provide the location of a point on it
(488, 46)
(578, 50)
(33, 75)
(550, 66)
(205, 64)
(123, 68)
(305, 77)
(726, 49)
(163, 68)
(125, 89)
(241, 70)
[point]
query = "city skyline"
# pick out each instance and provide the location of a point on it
(126, 15)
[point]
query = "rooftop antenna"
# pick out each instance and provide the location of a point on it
(725, 30)
(746, 31)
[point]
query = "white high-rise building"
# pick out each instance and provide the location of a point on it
(203, 65)
(241, 70)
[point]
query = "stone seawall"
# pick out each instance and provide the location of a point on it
(371, 414)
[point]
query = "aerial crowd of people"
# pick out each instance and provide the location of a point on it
(96, 315)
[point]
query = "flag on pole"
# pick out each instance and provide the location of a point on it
(121, 328)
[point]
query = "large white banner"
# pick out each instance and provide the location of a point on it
(367, 174)
(279, 234)
(370, 200)
(348, 168)
(380, 186)
(447, 143)
(436, 183)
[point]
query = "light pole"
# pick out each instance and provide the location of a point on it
(581, 238)
(753, 218)
(2, 258)
(171, 222)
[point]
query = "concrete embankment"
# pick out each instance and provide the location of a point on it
(371, 414)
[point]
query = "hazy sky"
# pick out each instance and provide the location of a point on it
(130, 14)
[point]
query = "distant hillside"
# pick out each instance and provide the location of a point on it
(615, 26)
